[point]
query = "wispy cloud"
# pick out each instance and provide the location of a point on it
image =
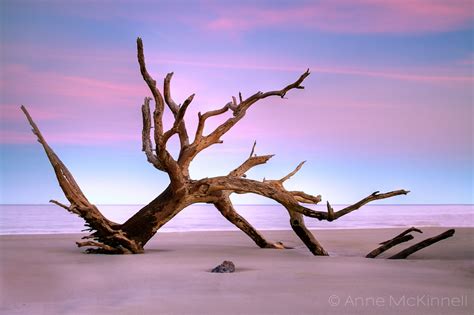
(19, 80)
(98, 137)
(343, 16)
(234, 17)
(12, 112)
(387, 74)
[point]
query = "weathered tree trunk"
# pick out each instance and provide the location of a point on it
(144, 224)
(130, 237)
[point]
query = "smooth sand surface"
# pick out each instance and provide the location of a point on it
(47, 274)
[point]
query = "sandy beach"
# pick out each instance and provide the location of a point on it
(47, 274)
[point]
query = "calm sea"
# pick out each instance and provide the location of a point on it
(46, 219)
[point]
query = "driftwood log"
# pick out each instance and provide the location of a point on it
(425, 243)
(407, 231)
(400, 238)
(405, 237)
(131, 236)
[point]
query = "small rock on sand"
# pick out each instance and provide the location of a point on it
(226, 267)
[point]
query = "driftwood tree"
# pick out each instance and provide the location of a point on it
(131, 237)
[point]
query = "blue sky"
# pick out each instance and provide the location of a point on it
(388, 104)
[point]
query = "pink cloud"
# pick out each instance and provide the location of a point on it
(74, 109)
(21, 79)
(362, 16)
(12, 112)
(82, 138)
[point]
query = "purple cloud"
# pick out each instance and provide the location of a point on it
(360, 16)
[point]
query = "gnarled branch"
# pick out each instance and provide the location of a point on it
(146, 137)
(179, 120)
(374, 196)
(159, 104)
(201, 142)
(239, 111)
(106, 231)
(251, 161)
(164, 161)
(202, 121)
(274, 189)
(175, 109)
(167, 93)
(278, 193)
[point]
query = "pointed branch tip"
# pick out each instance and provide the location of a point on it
(292, 173)
(253, 149)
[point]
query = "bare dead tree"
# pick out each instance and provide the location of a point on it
(130, 237)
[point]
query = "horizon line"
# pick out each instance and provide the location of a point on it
(253, 204)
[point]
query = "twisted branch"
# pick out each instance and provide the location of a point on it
(162, 160)
(151, 83)
(288, 199)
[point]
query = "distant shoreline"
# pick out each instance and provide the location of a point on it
(255, 204)
(51, 219)
(261, 230)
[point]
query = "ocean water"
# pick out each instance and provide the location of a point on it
(48, 219)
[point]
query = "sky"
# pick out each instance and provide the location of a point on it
(388, 104)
